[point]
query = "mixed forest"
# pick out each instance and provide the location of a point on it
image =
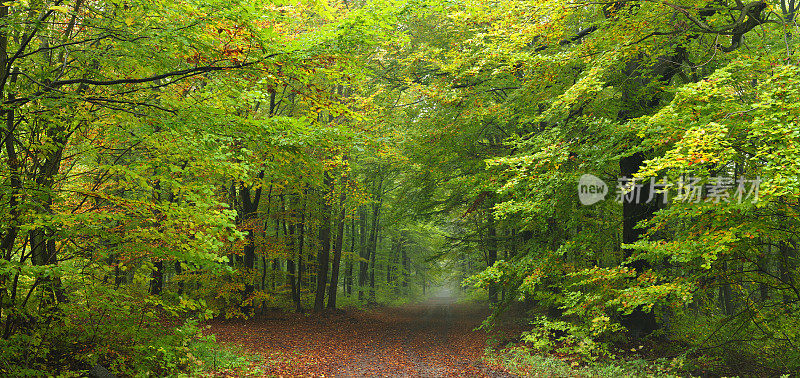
(165, 163)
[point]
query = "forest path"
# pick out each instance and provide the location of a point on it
(435, 338)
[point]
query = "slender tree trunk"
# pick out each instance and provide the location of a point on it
(364, 252)
(294, 281)
(301, 242)
(725, 291)
(389, 257)
(396, 267)
(348, 282)
(10, 318)
(325, 248)
(276, 272)
(337, 252)
(265, 232)
(491, 243)
(763, 262)
(263, 273)
(15, 181)
(9, 236)
(233, 200)
(373, 236)
(786, 271)
(372, 277)
(406, 266)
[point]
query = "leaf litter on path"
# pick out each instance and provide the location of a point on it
(429, 339)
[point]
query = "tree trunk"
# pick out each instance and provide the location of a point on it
(157, 278)
(406, 266)
(725, 291)
(372, 277)
(348, 282)
(301, 242)
(363, 253)
(294, 280)
(491, 244)
(43, 239)
(325, 247)
(337, 252)
(373, 236)
(786, 265)
(249, 209)
(10, 235)
(639, 322)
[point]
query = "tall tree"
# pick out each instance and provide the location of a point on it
(337, 251)
(323, 256)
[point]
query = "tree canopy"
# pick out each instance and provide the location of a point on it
(167, 162)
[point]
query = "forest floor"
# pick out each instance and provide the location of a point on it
(435, 338)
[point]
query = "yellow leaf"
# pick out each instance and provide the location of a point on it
(59, 8)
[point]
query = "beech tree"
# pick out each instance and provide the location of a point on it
(168, 162)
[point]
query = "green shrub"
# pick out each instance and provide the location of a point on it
(523, 361)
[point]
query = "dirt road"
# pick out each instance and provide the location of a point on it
(435, 338)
